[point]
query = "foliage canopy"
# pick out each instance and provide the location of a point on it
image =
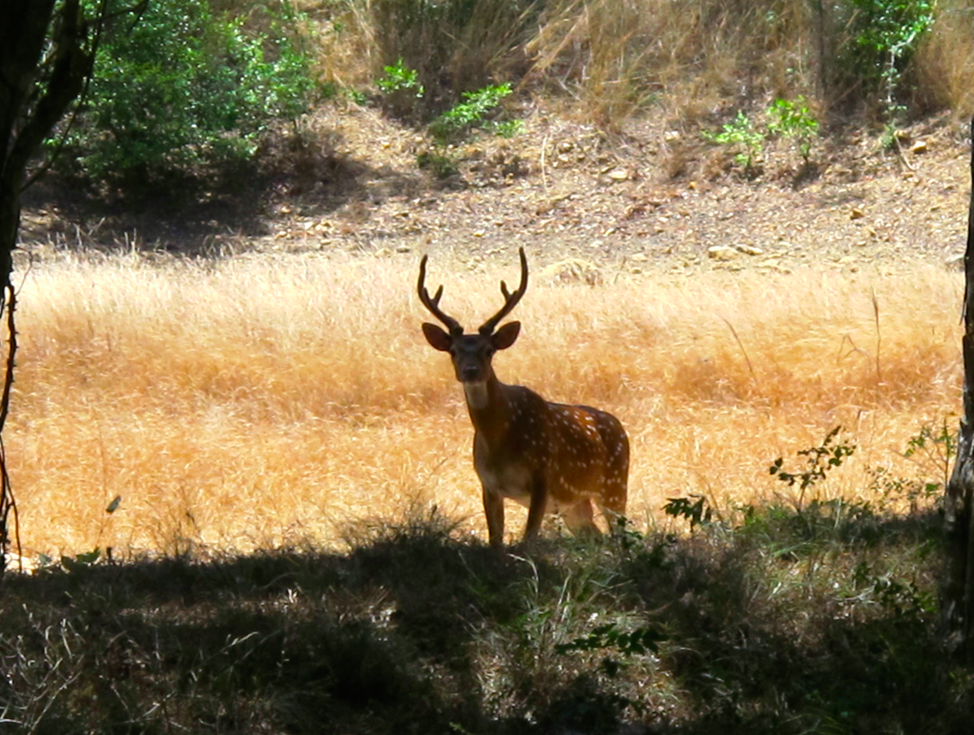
(184, 85)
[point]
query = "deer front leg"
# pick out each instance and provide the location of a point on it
(494, 510)
(539, 501)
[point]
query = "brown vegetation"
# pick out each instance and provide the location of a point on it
(613, 58)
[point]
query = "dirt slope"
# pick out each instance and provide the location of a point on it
(654, 198)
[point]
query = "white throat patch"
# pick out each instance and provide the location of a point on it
(476, 394)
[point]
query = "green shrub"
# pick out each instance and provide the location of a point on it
(786, 118)
(884, 37)
(792, 119)
(473, 112)
(400, 89)
(820, 461)
(185, 86)
(697, 511)
(400, 78)
(742, 135)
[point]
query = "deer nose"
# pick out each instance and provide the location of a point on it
(469, 373)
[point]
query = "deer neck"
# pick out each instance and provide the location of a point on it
(489, 407)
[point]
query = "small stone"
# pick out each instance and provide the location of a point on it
(722, 252)
(749, 250)
(856, 213)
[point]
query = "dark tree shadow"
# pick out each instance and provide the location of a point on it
(193, 212)
(387, 637)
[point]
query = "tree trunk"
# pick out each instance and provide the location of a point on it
(957, 595)
(9, 224)
(46, 55)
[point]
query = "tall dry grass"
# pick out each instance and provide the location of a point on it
(614, 58)
(945, 60)
(269, 400)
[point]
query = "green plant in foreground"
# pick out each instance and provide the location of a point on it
(400, 78)
(472, 113)
(792, 119)
(932, 451)
(741, 134)
(937, 447)
(697, 512)
(609, 638)
(418, 622)
(821, 459)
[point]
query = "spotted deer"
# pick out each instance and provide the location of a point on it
(546, 456)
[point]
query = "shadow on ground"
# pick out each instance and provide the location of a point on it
(418, 628)
(209, 213)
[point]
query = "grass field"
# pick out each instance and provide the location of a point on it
(289, 406)
(268, 401)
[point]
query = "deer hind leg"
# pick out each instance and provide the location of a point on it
(614, 482)
(580, 518)
(615, 489)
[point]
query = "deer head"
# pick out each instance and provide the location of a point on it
(472, 353)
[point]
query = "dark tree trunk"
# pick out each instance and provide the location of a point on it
(46, 56)
(958, 587)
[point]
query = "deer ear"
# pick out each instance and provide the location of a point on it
(506, 335)
(437, 338)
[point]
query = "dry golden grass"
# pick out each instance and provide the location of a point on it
(946, 60)
(613, 58)
(268, 400)
(616, 55)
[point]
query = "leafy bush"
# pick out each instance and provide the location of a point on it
(744, 137)
(401, 90)
(472, 113)
(885, 35)
(820, 461)
(697, 512)
(399, 77)
(786, 118)
(185, 86)
(453, 45)
(792, 119)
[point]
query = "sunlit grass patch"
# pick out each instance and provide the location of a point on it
(242, 403)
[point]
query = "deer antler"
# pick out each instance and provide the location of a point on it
(433, 304)
(510, 300)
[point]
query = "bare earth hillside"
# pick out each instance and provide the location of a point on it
(581, 202)
(655, 198)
